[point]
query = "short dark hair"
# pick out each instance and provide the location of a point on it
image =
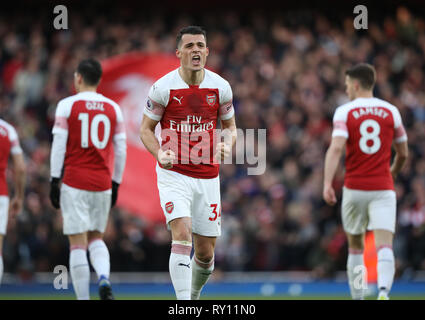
(91, 71)
(365, 73)
(190, 30)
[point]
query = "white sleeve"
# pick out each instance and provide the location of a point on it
(60, 139)
(120, 155)
(156, 103)
(57, 155)
(340, 124)
(120, 147)
(226, 110)
(400, 133)
(14, 141)
(63, 111)
(120, 127)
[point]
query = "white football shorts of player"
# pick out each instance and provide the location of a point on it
(84, 210)
(362, 210)
(184, 196)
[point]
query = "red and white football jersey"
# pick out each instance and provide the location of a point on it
(190, 113)
(91, 122)
(370, 126)
(9, 144)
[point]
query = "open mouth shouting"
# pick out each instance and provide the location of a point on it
(196, 60)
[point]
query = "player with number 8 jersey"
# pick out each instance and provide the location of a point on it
(367, 127)
(89, 144)
(371, 124)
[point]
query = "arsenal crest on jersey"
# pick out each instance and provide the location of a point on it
(211, 98)
(169, 206)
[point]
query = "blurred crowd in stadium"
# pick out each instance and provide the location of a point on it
(287, 74)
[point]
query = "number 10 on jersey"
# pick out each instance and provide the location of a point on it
(94, 130)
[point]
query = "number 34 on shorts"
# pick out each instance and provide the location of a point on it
(215, 214)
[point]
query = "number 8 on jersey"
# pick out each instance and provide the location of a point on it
(369, 136)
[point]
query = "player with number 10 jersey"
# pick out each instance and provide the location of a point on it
(91, 122)
(89, 143)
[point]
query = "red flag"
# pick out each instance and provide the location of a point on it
(127, 79)
(370, 257)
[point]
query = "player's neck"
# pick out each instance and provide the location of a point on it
(364, 94)
(86, 88)
(192, 78)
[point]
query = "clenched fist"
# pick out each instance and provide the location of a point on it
(166, 158)
(222, 151)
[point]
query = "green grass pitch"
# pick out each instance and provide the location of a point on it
(207, 297)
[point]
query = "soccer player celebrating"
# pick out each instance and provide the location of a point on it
(187, 102)
(367, 127)
(88, 128)
(9, 145)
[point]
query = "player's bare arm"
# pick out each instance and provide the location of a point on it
(223, 149)
(147, 135)
(19, 177)
(333, 156)
(402, 152)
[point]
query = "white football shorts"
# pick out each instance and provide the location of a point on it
(184, 196)
(368, 210)
(4, 214)
(84, 210)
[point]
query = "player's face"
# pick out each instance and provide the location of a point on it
(192, 52)
(350, 86)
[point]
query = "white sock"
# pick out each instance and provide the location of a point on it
(80, 272)
(1, 268)
(385, 268)
(99, 258)
(356, 274)
(201, 272)
(180, 271)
